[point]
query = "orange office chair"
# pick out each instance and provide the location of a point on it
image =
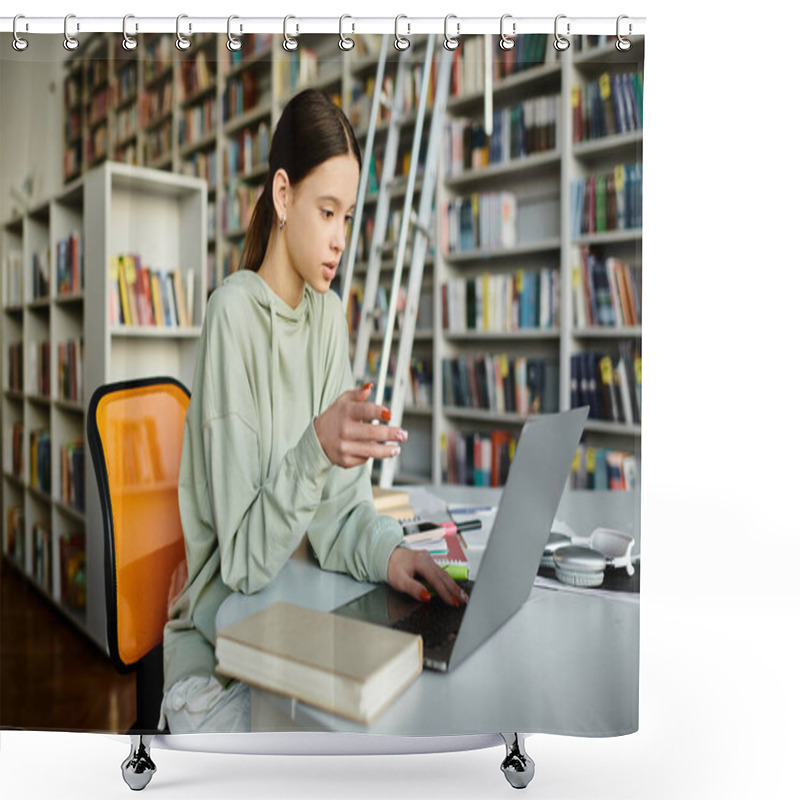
(135, 432)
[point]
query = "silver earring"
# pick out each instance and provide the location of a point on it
(283, 222)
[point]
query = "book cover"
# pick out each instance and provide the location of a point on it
(386, 499)
(120, 275)
(342, 665)
(128, 285)
(180, 298)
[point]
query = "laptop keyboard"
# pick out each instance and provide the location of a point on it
(436, 621)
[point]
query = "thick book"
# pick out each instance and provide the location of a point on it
(386, 499)
(346, 666)
(394, 503)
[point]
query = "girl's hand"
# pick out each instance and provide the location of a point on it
(405, 564)
(346, 434)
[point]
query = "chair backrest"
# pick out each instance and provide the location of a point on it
(135, 433)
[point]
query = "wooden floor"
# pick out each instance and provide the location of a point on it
(52, 677)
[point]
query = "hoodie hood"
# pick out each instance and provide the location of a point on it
(267, 298)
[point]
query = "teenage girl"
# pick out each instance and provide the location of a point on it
(277, 436)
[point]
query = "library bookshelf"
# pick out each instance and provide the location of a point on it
(516, 232)
(63, 335)
(209, 113)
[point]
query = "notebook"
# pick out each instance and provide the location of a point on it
(525, 514)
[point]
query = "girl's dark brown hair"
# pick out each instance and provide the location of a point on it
(311, 129)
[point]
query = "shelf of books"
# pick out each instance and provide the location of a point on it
(533, 284)
(499, 270)
(528, 323)
(103, 282)
(602, 350)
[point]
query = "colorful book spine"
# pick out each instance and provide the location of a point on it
(498, 383)
(143, 296)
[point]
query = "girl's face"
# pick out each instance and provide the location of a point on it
(319, 214)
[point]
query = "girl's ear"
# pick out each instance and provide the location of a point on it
(281, 192)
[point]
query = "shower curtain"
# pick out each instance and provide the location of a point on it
(128, 179)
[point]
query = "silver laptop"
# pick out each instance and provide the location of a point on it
(536, 480)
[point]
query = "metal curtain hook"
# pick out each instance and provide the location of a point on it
(18, 43)
(233, 44)
(289, 43)
(70, 42)
(451, 42)
(560, 43)
(345, 43)
(623, 44)
(181, 42)
(506, 42)
(400, 42)
(128, 42)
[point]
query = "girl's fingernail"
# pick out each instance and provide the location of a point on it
(367, 387)
(386, 415)
(395, 451)
(425, 596)
(402, 436)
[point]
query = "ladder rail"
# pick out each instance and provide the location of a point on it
(381, 224)
(400, 254)
(364, 182)
(422, 239)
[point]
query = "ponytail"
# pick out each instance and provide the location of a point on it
(257, 237)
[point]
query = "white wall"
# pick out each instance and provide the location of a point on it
(31, 118)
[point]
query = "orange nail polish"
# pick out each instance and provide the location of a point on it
(367, 387)
(386, 415)
(425, 596)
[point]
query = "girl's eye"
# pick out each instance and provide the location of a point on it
(348, 220)
(327, 213)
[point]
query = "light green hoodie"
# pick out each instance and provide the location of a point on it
(253, 477)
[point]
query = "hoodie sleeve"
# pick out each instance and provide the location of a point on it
(346, 532)
(258, 525)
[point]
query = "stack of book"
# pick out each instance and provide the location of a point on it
(471, 458)
(502, 303)
(15, 534)
(72, 470)
(602, 468)
(500, 383)
(394, 503)
(610, 386)
(605, 291)
(247, 150)
(342, 665)
(40, 460)
(69, 264)
(608, 201)
(468, 70)
(13, 278)
(518, 130)
(70, 370)
(140, 295)
(479, 222)
(612, 104)
(15, 367)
